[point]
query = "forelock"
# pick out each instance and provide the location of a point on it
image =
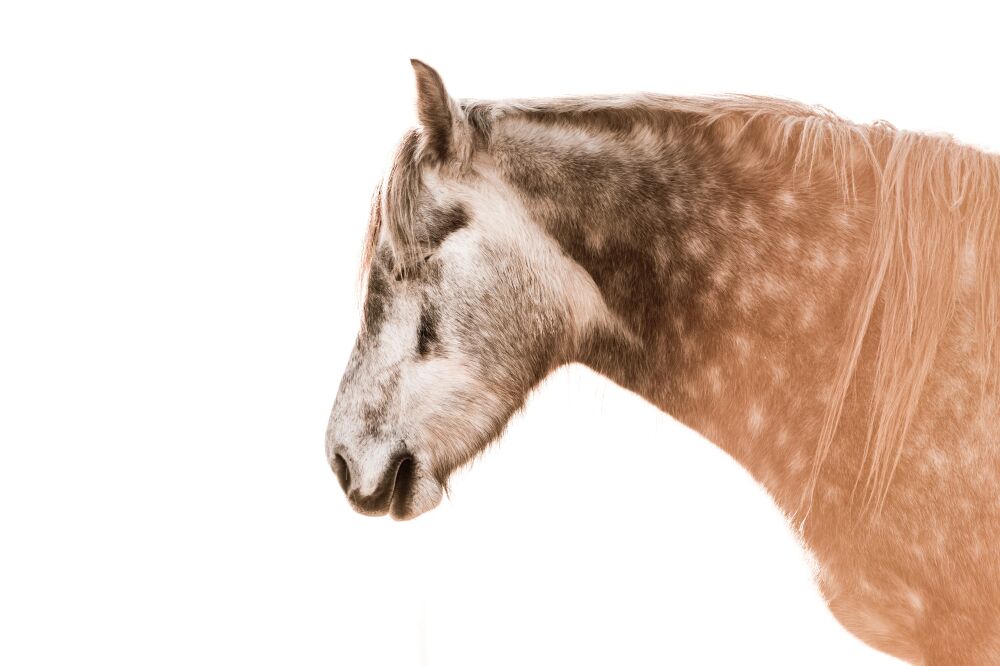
(400, 198)
(394, 207)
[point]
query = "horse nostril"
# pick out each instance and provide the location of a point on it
(341, 470)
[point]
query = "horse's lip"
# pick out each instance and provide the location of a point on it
(402, 488)
(393, 491)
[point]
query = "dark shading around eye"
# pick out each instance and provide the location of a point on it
(426, 332)
(446, 221)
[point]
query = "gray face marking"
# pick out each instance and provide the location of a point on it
(427, 337)
(378, 297)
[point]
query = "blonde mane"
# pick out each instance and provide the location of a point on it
(936, 222)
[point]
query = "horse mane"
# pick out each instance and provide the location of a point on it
(937, 201)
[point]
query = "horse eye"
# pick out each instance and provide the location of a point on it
(426, 335)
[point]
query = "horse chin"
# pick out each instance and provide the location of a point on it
(415, 493)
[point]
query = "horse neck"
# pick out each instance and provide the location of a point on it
(733, 276)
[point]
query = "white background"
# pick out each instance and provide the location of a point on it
(183, 193)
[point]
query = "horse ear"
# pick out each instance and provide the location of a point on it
(444, 126)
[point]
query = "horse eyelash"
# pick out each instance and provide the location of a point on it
(400, 273)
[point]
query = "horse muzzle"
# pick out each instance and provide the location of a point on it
(398, 487)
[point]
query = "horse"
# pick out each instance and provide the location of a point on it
(818, 298)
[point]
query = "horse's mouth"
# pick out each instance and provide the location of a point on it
(402, 489)
(394, 493)
(405, 488)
